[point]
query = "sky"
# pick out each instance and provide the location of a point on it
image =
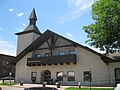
(64, 17)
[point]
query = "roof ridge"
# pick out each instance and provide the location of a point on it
(45, 36)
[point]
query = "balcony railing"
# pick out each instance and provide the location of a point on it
(38, 61)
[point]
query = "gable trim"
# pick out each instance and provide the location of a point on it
(48, 34)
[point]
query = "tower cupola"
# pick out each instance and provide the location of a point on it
(32, 25)
(29, 35)
(33, 18)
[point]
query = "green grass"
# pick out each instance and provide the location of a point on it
(73, 88)
(7, 84)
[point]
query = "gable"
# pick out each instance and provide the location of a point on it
(39, 41)
(53, 46)
(62, 42)
(50, 40)
(58, 42)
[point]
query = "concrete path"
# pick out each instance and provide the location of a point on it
(11, 88)
(18, 87)
(39, 85)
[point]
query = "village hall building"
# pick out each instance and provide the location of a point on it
(49, 57)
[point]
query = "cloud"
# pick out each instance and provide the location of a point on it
(7, 48)
(8, 52)
(11, 10)
(24, 24)
(1, 28)
(69, 35)
(96, 49)
(19, 29)
(74, 3)
(77, 8)
(5, 43)
(20, 14)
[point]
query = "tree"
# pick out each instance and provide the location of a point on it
(104, 33)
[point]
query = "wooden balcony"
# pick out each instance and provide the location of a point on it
(52, 60)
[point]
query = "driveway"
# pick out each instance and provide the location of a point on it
(11, 88)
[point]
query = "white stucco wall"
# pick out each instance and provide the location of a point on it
(89, 61)
(86, 61)
(25, 40)
(22, 70)
(112, 67)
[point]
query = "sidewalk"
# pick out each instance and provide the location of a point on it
(61, 87)
(40, 85)
(18, 87)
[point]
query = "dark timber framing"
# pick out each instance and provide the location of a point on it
(52, 43)
(49, 34)
(52, 60)
(55, 47)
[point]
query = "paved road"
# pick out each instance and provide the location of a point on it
(11, 88)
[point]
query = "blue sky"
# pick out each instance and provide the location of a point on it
(65, 17)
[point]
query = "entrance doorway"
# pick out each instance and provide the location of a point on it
(117, 75)
(45, 76)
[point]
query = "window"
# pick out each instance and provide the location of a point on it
(37, 55)
(7, 62)
(60, 76)
(117, 75)
(87, 76)
(72, 52)
(47, 54)
(71, 76)
(13, 70)
(62, 53)
(3, 62)
(117, 72)
(33, 74)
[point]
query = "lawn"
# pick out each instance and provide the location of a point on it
(7, 84)
(73, 88)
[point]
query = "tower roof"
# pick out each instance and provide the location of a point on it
(32, 25)
(33, 15)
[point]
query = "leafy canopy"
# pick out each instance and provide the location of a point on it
(105, 32)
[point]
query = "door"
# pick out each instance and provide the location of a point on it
(117, 75)
(45, 76)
